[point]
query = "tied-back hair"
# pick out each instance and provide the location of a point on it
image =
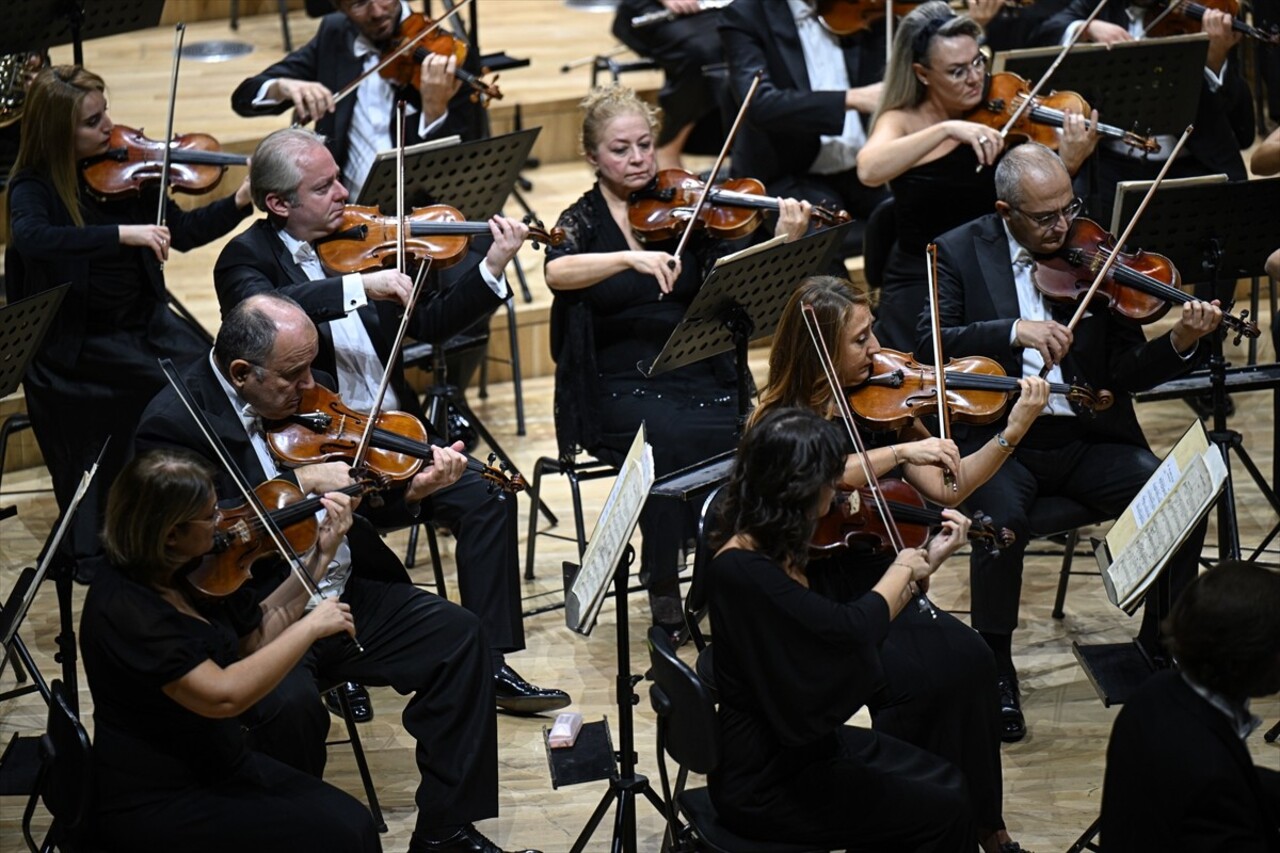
(50, 116)
(771, 497)
(605, 103)
(1224, 631)
(911, 43)
(796, 377)
(155, 492)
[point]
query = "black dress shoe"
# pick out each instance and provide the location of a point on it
(1013, 726)
(466, 840)
(518, 696)
(357, 698)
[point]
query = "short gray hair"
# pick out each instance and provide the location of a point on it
(1017, 163)
(275, 168)
(248, 332)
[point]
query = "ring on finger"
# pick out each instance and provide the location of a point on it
(982, 140)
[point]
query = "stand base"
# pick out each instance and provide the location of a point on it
(622, 792)
(1115, 669)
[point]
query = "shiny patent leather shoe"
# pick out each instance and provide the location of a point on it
(1013, 726)
(468, 839)
(357, 698)
(517, 696)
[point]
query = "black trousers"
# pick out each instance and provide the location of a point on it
(426, 648)
(1103, 476)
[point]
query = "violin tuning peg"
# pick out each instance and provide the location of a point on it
(492, 456)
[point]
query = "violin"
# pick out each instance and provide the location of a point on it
(978, 390)
(366, 240)
(326, 430)
(1006, 92)
(1182, 17)
(853, 521)
(1140, 285)
(240, 539)
(406, 69)
(196, 163)
(845, 17)
(661, 210)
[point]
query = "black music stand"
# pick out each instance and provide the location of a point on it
(1151, 86)
(1215, 250)
(741, 301)
(38, 24)
(476, 178)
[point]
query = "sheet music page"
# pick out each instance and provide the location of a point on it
(609, 540)
(1161, 516)
(749, 251)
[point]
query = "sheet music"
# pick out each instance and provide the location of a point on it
(609, 540)
(1160, 518)
(749, 251)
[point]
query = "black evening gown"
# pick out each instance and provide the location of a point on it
(170, 779)
(791, 667)
(612, 330)
(928, 200)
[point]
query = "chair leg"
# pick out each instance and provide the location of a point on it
(535, 490)
(579, 525)
(1064, 576)
(436, 565)
(283, 6)
(353, 737)
(411, 553)
(1086, 840)
(517, 382)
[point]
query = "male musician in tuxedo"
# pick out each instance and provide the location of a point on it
(356, 316)
(1179, 774)
(989, 306)
(348, 43)
(811, 113)
(1224, 121)
(412, 641)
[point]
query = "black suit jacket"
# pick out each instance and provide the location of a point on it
(786, 117)
(1224, 122)
(978, 304)
(328, 59)
(256, 261)
(166, 423)
(1180, 779)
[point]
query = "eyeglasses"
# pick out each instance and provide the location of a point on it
(213, 520)
(958, 73)
(293, 377)
(1049, 219)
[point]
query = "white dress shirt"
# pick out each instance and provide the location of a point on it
(824, 60)
(1031, 306)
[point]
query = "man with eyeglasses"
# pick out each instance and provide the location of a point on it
(989, 306)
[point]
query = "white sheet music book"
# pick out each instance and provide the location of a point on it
(1161, 517)
(609, 540)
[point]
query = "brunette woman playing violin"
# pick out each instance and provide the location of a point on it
(932, 666)
(921, 145)
(616, 303)
(348, 42)
(96, 368)
(171, 675)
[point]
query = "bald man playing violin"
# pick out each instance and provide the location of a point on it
(357, 318)
(989, 306)
(349, 42)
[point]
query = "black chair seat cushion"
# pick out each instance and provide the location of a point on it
(1056, 514)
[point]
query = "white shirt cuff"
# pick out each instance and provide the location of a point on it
(1189, 354)
(424, 129)
(1013, 333)
(1215, 80)
(498, 285)
(353, 297)
(261, 99)
(1070, 31)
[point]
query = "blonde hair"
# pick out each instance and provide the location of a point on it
(50, 114)
(603, 104)
(916, 34)
(796, 377)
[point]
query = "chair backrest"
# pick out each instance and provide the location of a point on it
(695, 600)
(66, 775)
(685, 707)
(878, 237)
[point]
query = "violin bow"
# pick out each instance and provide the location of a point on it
(1124, 237)
(1044, 78)
(715, 170)
(400, 213)
(939, 371)
(179, 31)
(409, 45)
(860, 449)
(242, 483)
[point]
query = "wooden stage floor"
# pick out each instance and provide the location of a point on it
(1052, 779)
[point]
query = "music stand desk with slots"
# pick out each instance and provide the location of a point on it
(1145, 85)
(39, 24)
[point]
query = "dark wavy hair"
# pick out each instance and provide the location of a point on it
(1224, 630)
(782, 464)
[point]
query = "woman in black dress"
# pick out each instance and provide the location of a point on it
(96, 369)
(171, 673)
(935, 162)
(792, 665)
(617, 301)
(938, 689)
